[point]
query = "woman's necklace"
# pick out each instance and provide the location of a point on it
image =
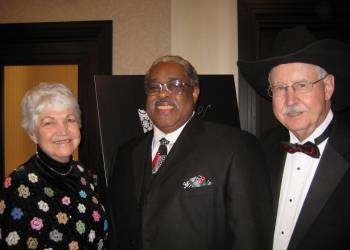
(54, 170)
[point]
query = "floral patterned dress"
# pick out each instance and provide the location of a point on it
(48, 205)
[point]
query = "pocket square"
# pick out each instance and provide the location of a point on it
(196, 181)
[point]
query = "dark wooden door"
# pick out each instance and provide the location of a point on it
(86, 44)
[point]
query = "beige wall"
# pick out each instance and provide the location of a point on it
(141, 28)
(204, 31)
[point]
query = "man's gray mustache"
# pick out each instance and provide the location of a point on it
(294, 109)
(165, 100)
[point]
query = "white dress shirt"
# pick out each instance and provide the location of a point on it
(171, 137)
(299, 170)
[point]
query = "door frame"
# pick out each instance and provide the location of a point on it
(87, 44)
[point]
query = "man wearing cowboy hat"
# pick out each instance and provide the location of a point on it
(309, 157)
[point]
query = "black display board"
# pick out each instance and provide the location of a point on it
(121, 107)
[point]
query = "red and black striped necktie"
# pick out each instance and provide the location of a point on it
(160, 156)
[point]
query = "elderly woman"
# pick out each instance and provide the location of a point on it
(49, 202)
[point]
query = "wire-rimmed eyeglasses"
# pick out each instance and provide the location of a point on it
(300, 87)
(172, 86)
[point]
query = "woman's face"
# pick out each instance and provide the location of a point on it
(57, 133)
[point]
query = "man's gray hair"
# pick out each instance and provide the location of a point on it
(321, 72)
(43, 95)
(189, 69)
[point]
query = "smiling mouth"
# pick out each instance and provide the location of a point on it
(63, 141)
(294, 114)
(165, 107)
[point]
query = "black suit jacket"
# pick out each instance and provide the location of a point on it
(324, 221)
(158, 212)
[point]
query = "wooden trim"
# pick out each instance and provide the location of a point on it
(2, 168)
(85, 43)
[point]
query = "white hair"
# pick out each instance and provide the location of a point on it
(38, 98)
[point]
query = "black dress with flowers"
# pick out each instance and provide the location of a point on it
(48, 205)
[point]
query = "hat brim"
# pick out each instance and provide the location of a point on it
(331, 55)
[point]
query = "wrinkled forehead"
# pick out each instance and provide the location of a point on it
(53, 111)
(292, 70)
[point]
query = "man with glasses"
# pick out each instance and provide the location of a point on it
(188, 184)
(309, 157)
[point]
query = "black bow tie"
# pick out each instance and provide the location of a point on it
(308, 148)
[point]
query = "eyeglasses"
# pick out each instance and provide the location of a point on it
(173, 86)
(301, 87)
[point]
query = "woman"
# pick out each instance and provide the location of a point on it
(49, 202)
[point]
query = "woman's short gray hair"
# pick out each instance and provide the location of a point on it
(189, 69)
(38, 98)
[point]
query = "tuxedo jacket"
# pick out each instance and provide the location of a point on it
(211, 193)
(324, 220)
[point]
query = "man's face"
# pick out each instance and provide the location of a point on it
(301, 113)
(169, 111)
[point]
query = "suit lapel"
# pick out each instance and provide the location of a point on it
(276, 157)
(141, 158)
(276, 171)
(183, 146)
(330, 171)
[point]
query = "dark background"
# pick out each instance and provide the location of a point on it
(259, 21)
(120, 96)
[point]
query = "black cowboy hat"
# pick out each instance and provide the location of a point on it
(299, 45)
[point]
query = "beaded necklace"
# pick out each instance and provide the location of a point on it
(54, 170)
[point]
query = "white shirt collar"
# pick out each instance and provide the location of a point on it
(317, 132)
(171, 137)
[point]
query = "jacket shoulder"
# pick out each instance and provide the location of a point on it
(229, 135)
(277, 133)
(340, 139)
(133, 142)
(22, 170)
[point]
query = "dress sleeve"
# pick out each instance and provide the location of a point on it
(15, 213)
